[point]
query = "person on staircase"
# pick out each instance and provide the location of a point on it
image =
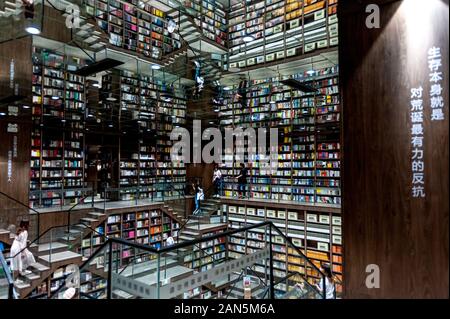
(27, 256)
(15, 253)
(199, 196)
(217, 181)
(329, 284)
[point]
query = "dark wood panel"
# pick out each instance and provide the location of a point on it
(383, 225)
(16, 187)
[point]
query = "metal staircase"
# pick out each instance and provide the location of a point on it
(57, 247)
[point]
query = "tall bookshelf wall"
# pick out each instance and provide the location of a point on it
(156, 109)
(309, 138)
(135, 26)
(211, 18)
(57, 142)
(318, 234)
(280, 29)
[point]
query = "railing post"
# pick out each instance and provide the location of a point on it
(324, 287)
(272, 290)
(158, 277)
(109, 287)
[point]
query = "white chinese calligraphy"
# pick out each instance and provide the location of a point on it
(436, 100)
(417, 138)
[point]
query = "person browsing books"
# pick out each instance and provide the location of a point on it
(242, 181)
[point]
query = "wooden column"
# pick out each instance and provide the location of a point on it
(383, 223)
(15, 142)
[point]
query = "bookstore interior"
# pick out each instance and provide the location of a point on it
(224, 149)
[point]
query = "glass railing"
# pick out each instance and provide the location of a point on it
(238, 263)
(6, 280)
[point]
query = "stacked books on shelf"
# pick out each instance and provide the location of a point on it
(280, 29)
(308, 154)
(318, 235)
(135, 26)
(57, 142)
(211, 18)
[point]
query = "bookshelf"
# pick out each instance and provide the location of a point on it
(155, 109)
(308, 142)
(280, 30)
(57, 141)
(145, 226)
(211, 18)
(135, 26)
(317, 232)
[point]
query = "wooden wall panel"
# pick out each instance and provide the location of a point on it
(383, 225)
(17, 187)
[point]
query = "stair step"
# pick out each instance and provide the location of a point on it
(50, 246)
(189, 233)
(61, 256)
(22, 285)
(88, 219)
(32, 276)
(96, 214)
(39, 267)
(186, 238)
(80, 226)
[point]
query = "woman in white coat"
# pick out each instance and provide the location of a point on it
(15, 253)
(27, 256)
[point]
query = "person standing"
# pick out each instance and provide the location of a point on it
(217, 181)
(329, 282)
(170, 241)
(15, 253)
(242, 181)
(27, 256)
(199, 195)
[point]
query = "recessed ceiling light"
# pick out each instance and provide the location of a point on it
(248, 38)
(110, 125)
(90, 115)
(55, 97)
(111, 99)
(33, 29)
(2, 113)
(156, 67)
(217, 110)
(226, 88)
(26, 106)
(273, 102)
(63, 120)
(311, 72)
(234, 70)
(96, 85)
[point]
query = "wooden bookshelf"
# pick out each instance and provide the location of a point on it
(280, 29)
(57, 141)
(316, 232)
(210, 16)
(145, 226)
(135, 28)
(308, 142)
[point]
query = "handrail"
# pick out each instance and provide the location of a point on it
(26, 206)
(297, 249)
(71, 208)
(295, 273)
(235, 282)
(190, 216)
(177, 246)
(9, 279)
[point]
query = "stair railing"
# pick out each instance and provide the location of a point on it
(7, 271)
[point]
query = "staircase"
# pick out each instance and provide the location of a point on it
(205, 51)
(56, 248)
